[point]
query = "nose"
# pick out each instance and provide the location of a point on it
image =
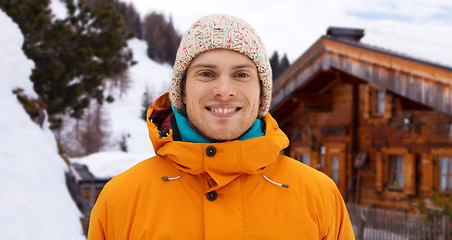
(224, 87)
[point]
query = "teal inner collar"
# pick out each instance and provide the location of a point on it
(190, 135)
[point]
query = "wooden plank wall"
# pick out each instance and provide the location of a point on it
(427, 130)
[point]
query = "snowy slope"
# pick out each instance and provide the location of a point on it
(34, 200)
(124, 116)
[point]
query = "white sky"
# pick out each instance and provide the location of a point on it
(291, 26)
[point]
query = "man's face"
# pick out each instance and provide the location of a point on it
(222, 94)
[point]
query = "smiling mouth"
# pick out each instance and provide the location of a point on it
(224, 110)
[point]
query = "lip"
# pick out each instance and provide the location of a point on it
(223, 110)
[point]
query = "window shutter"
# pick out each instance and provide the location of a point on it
(388, 106)
(427, 173)
(314, 160)
(372, 97)
(409, 174)
(342, 173)
(380, 172)
(327, 164)
(366, 96)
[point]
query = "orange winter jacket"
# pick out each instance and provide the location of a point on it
(229, 190)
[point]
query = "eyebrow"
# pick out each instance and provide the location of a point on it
(201, 65)
(244, 66)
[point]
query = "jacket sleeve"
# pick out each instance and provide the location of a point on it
(341, 227)
(98, 220)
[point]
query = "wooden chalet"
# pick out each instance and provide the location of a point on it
(89, 185)
(377, 122)
(84, 188)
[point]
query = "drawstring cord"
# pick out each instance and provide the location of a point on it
(277, 184)
(165, 178)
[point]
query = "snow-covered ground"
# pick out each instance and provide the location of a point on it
(34, 200)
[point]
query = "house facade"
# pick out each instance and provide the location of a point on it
(377, 122)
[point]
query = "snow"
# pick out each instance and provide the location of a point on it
(35, 202)
(125, 112)
(58, 9)
(111, 163)
(124, 116)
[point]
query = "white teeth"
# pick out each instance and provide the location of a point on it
(223, 110)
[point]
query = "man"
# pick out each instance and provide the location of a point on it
(218, 172)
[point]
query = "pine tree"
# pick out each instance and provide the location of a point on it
(93, 136)
(129, 14)
(33, 18)
(123, 142)
(73, 56)
(131, 17)
(161, 37)
(283, 64)
(145, 103)
(278, 65)
(274, 63)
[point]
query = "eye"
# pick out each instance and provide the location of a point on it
(242, 75)
(205, 74)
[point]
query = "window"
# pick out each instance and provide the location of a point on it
(437, 171)
(305, 155)
(322, 157)
(396, 170)
(305, 158)
(445, 173)
(377, 102)
(335, 167)
(334, 163)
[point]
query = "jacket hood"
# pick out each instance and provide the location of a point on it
(231, 158)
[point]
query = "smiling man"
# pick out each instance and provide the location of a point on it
(218, 172)
(222, 94)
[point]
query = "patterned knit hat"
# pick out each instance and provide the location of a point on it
(221, 31)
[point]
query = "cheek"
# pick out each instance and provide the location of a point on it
(188, 94)
(258, 96)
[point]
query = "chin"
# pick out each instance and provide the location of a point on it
(220, 136)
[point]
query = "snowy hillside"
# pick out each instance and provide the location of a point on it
(124, 117)
(34, 200)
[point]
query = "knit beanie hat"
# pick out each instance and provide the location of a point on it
(221, 31)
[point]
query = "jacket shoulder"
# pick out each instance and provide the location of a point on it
(319, 192)
(147, 172)
(302, 173)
